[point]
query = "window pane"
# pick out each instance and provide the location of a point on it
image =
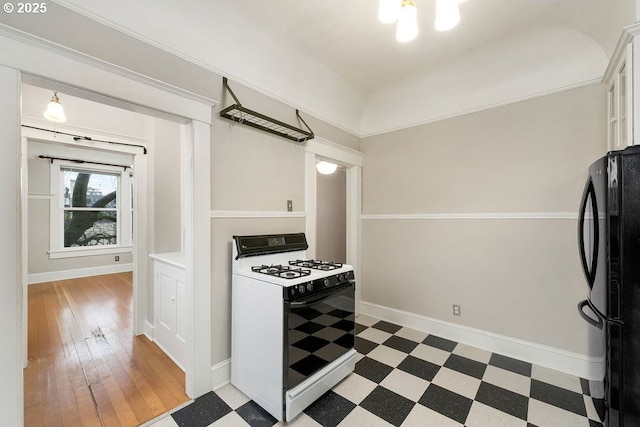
(90, 228)
(89, 189)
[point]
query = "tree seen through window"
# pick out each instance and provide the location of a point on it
(90, 208)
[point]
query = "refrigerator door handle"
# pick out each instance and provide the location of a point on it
(588, 193)
(597, 323)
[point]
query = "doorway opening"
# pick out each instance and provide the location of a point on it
(93, 79)
(92, 284)
(349, 161)
(331, 215)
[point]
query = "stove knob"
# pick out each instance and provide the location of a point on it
(326, 282)
(341, 277)
(301, 289)
(309, 287)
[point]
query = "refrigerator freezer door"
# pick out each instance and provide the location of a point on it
(588, 233)
(592, 235)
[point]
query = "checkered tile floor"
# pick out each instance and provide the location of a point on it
(404, 377)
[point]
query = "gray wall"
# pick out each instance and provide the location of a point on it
(331, 219)
(515, 277)
(167, 232)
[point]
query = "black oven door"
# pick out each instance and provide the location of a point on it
(319, 329)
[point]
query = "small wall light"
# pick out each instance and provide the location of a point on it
(326, 168)
(55, 112)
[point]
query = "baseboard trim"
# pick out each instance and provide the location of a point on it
(79, 272)
(220, 374)
(149, 330)
(591, 368)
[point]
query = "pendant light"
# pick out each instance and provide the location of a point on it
(447, 14)
(407, 27)
(326, 168)
(55, 112)
(388, 11)
(405, 14)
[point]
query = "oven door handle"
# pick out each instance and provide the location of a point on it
(318, 297)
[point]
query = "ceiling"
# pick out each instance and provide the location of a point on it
(302, 50)
(347, 37)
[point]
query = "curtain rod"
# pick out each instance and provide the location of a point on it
(51, 159)
(86, 138)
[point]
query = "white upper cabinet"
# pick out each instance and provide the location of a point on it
(622, 106)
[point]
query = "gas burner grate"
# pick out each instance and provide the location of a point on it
(316, 264)
(284, 271)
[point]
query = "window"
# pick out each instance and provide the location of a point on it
(91, 209)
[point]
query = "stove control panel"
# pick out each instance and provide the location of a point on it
(318, 285)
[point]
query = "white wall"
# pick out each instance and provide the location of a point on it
(566, 51)
(540, 61)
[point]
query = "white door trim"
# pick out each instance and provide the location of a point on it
(11, 315)
(90, 78)
(352, 161)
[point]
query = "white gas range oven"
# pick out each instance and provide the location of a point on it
(292, 323)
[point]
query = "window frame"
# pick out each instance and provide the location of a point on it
(124, 211)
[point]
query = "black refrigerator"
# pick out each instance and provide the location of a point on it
(609, 247)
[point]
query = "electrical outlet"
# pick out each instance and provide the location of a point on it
(456, 310)
(117, 258)
(289, 205)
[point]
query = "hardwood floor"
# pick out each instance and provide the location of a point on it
(86, 368)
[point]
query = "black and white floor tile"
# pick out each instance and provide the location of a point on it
(404, 377)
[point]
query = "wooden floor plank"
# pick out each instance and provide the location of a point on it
(85, 366)
(169, 397)
(147, 390)
(33, 416)
(86, 407)
(69, 409)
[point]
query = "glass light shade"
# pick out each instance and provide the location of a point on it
(326, 168)
(55, 112)
(388, 11)
(407, 28)
(447, 14)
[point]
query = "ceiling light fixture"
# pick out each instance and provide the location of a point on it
(407, 27)
(55, 112)
(447, 14)
(405, 14)
(326, 168)
(388, 11)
